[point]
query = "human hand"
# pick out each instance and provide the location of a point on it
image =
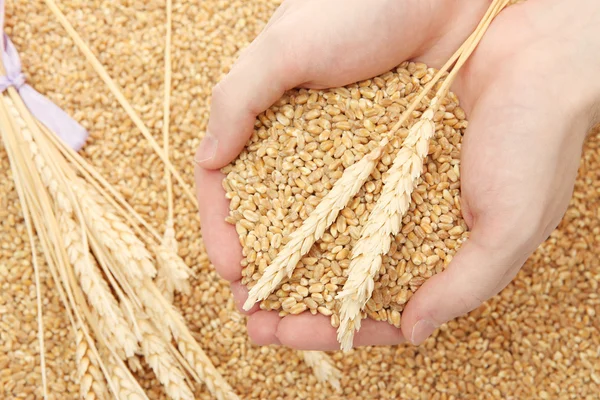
(346, 41)
(531, 94)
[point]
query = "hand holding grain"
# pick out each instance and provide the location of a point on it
(529, 114)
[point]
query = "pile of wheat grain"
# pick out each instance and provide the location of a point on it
(539, 339)
(301, 147)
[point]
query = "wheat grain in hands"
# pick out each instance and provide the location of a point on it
(313, 228)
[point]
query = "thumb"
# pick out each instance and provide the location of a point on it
(478, 272)
(254, 83)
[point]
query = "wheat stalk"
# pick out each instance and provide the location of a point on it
(173, 273)
(50, 188)
(323, 368)
(92, 384)
(118, 246)
(385, 219)
(22, 184)
(164, 365)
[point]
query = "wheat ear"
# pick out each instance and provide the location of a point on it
(120, 241)
(173, 273)
(201, 367)
(92, 384)
(162, 362)
(323, 368)
(385, 219)
(43, 168)
(383, 222)
(126, 387)
(313, 227)
(95, 287)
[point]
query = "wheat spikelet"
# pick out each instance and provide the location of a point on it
(313, 227)
(161, 361)
(127, 388)
(173, 274)
(92, 384)
(384, 221)
(323, 368)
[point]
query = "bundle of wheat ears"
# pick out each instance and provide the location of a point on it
(116, 275)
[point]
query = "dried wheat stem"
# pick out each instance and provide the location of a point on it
(167, 106)
(94, 286)
(162, 362)
(92, 384)
(118, 93)
(313, 228)
(323, 367)
(383, 222)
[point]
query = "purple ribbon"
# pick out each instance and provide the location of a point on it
(48, 113)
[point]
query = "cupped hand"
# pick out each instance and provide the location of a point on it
(530, 95)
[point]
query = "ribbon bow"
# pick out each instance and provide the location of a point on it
(40, 107)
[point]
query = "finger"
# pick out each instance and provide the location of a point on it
(262, 328)
(240, 294)
(220, 238)
(256, 81)
(314, 332)
(274, 18)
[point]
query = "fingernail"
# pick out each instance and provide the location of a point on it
(421, 331)
(207, 149)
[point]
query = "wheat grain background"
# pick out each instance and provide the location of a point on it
(540, 338)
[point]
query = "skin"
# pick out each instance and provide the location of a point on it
(531, 94)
